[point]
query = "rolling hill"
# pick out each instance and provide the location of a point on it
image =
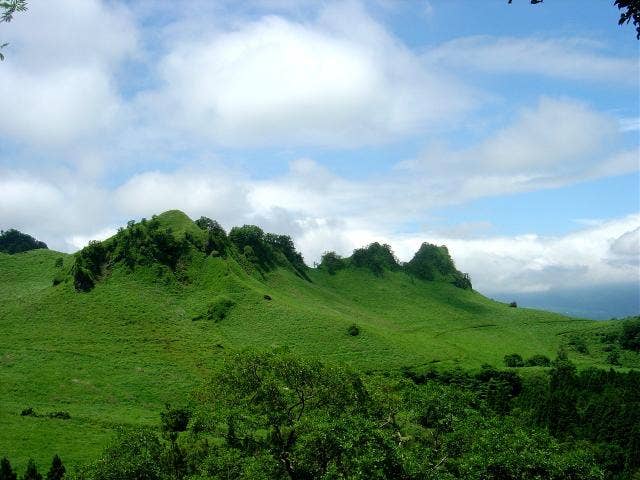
(114, 332)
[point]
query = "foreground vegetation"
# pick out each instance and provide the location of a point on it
(110, 335)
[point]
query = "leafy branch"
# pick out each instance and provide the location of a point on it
(7, 10)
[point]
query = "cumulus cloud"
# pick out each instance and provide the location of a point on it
(57, 83)
(341, 80)
(566, 58)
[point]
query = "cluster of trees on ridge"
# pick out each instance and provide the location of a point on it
(148, 242)
(12, 241)
(430, 262)
(274, 415)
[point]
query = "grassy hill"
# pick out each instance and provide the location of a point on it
(149, 326)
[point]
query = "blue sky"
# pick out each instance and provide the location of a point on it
(508, 132)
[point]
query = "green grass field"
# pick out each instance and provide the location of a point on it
(114, 355)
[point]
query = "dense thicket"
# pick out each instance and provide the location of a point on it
(273, 415)
(12, 241)
(375, 257)
(149, 242)
(432, 262)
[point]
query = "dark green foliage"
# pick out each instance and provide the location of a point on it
(220, 309)
(31, 473)
(376, 258)
(135, 455)
(538, 361)
(57, 470)
(174, 419)
(59, 262)
(28, 412)
(579, 344)
(353, 330)
(431, 262)
(144, 243)
(513, 360)
(513, 304)
(88, 266)
(630, 336)
(613, 357)
(216, 242)
(276, 416)
(284, 244)
(12, 241)
(217, 310)
(266, 251)
(259, 252)
(629, 11)
(332, 262)
(6, 471)
(61, 415)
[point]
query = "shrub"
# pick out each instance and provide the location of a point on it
(579, 344)
(613, 358)
(538, 361)
(61, 415)
(376, 258)
(513, 305)
(630, 336)
(353, 330)
(28, 412)
(431, 261)
(174, 419)
(217, 310)
(513, 360)
(332, 262)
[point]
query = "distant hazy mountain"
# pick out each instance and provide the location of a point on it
(598, 302)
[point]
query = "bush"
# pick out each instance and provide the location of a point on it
(174, 419)
(217, 310)
(579, 344)
(513, 305)
(613, 358)
(28, 412)
(513, 360)
(538, 361)
(376, 258)
(630, 336)
(431, 261)
(332, 262)
(61, 415)
(353, 330)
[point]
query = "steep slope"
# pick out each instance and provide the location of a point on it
(166, 296)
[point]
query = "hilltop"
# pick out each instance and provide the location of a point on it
(111, 333)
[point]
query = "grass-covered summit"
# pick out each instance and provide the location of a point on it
(141, 318)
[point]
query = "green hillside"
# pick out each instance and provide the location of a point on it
(140, 319)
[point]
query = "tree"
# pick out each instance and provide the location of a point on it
(8, 9)
(57, 470)
(629, 11)
(6, 472)
(13, 241)
(32, 471)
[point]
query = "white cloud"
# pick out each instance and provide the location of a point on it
(339, 81)
(57, 83)
(566, 58)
